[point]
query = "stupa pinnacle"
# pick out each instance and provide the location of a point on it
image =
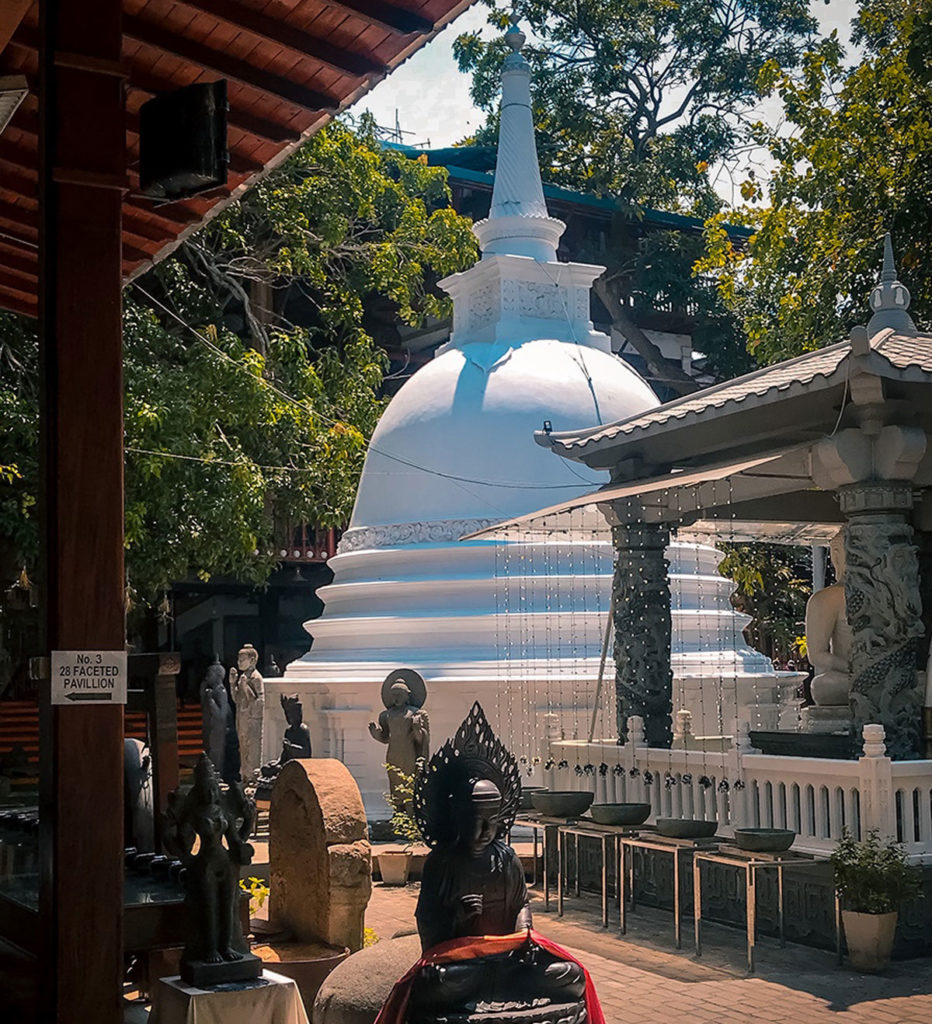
(518, 223)
(518, 292)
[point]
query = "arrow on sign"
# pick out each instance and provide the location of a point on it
(90, 696)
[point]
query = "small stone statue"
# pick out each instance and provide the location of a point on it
(402, 725)
(248, 691)
(296, 743)
(828, 639)
(297, 738)
(216, 716)
(473, 887)
(215, 824)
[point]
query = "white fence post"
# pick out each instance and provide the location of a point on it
(877, 804)
(738, 801)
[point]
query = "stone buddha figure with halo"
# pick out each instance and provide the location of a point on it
(828, 638)
(482, 960)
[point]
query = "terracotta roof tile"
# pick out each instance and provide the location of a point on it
(828, 365)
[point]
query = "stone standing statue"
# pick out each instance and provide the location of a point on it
(473, 887)
(216, 714)
(402, 725)
(208, 829)
(828, 638)
(248, 691)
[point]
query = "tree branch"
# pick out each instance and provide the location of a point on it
(608, 289)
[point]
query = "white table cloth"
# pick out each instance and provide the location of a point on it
(271, 999)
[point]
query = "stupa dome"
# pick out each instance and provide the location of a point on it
(457, 442)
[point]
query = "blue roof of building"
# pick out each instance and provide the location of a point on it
(605, 204)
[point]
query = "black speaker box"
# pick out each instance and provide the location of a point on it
(183, 142)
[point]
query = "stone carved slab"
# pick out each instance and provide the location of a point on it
(320, 861)
(885, 612)
(363, 538)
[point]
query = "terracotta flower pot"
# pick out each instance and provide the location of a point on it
(393, 866)
(870, 939)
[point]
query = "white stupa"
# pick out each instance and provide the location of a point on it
(518, 625)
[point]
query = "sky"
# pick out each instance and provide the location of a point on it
(431, 96)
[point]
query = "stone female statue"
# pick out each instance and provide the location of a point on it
(403, 726)
(481, 956)
(248, 691)
(208, 830)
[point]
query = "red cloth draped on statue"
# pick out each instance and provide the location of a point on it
(394, 1011)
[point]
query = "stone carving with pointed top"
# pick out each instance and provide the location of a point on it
(890, 299)
(207, 829)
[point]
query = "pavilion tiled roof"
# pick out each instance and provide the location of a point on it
(290, 66)
(891, 355)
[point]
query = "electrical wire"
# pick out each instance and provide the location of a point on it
(327, 419)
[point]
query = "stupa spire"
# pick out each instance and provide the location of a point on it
(890, 298)
(518, 223)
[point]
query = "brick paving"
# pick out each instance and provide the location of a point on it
(642, 979)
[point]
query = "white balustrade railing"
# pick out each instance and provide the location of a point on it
(818, 798)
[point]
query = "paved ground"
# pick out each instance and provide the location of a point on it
(642, 979)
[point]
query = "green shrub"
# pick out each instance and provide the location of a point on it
(873, 875)
(404, 823)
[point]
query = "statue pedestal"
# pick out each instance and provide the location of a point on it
(204, 974)
(831, 718)
(270, 997)
(551, 1013)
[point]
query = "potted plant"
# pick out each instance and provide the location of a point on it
(873, 878)
(395, 862)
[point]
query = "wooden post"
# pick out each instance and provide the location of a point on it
(81, 177)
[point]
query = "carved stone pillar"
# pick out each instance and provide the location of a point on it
(885, 612)
(641, 592)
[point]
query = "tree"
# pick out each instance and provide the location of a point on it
(854, 161)
(252, 377)
(774, 584)
(641, 99)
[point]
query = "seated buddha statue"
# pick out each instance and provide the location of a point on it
(828, 635)
(481, 957)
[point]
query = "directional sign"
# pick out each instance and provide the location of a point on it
(86, 678)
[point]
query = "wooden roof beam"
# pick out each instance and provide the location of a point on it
(260, 127)
(11, 14)
(18, 181)
(23, 159)
(152, 34)
(19, 215)
(28, 122)
(172, 214)
(134, 254)
(11, 282)
(16, 260)
(11, 241)
(376, 12)
(16, 302)
(303, 43)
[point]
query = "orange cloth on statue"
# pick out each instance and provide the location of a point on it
(394, 1011)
